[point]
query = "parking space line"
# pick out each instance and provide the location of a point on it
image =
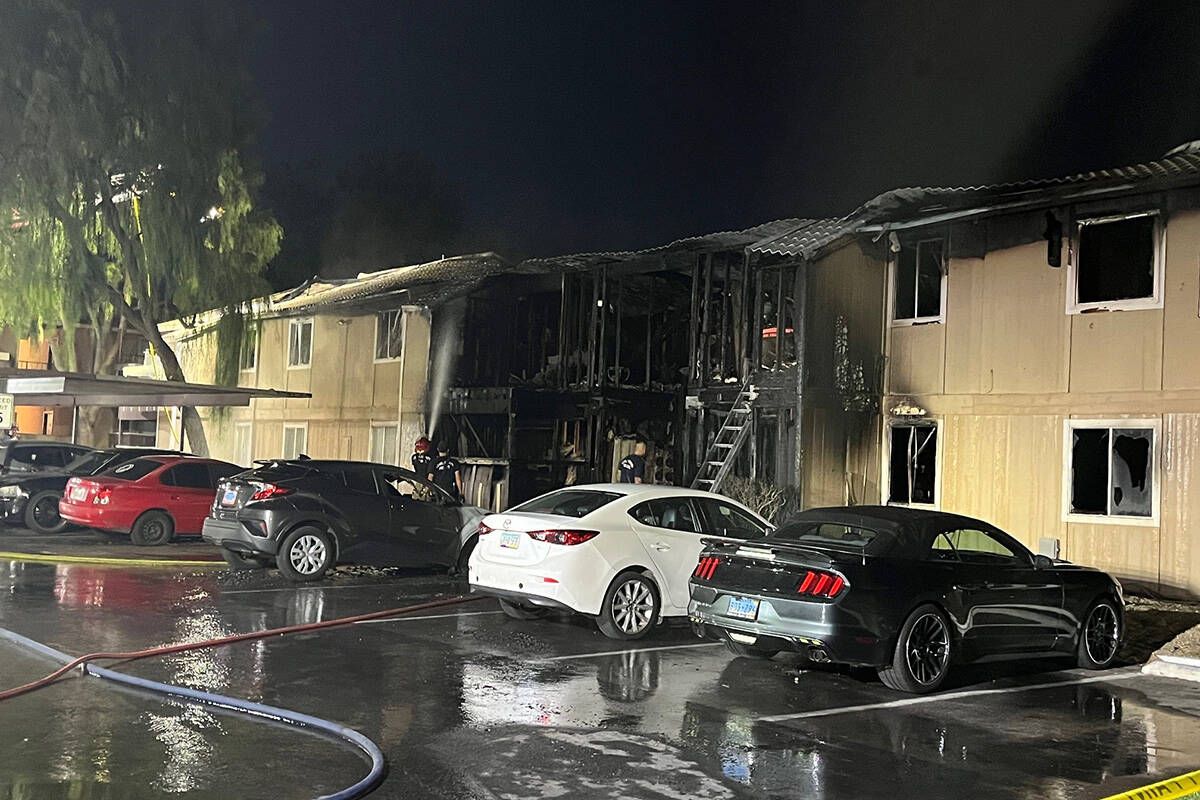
(625, 652)
(427, 616)
(937, 698)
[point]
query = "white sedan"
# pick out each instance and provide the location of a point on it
(622, 553)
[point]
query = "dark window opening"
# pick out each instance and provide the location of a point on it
(1116, 260)
(912, 464)
(917, 290)
(1112, 471)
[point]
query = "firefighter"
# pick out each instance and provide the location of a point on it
(633, 466)
(421, 457)
(445, 472)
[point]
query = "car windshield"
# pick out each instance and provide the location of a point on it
(826, 534)
(134, 470)
(89, 463)
(568, 502)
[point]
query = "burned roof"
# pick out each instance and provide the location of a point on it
(1178, 168)
(709, 242)
(806, 238)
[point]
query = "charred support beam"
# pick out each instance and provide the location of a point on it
(693, 325)
(800, 298)
(706, 330)
(564, 346)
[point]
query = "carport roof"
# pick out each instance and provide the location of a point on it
(44, 388)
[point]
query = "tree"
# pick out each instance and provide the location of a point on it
(121, 157)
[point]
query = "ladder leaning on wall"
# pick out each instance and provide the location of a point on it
(726, 445)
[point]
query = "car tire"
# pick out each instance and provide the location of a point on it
(1100, 636)
(238, 561)
(923, 653)
(41, 513)
(630, 607)
(152, 529)
(516, 610)
(750, 650)
(305, 554)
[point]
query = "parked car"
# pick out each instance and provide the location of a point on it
(153, 498)
(621, 553)
(37, 455)
(306, 515)
(909, 592)
(31, 499)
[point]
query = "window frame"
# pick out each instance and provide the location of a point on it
(370, 442)
(1131, 304)
(303, 426)
(300, 322)
(893, 271)
(399, 312)
(253, 351)
(1131, 423)
(886, 483)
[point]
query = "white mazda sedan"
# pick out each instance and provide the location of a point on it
(622, 553)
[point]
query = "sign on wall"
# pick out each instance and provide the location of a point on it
(8, 415)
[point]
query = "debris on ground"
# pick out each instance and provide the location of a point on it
(1150, 624)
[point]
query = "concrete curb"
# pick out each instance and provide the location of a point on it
(1181, 667)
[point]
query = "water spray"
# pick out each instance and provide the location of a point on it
(446, 341)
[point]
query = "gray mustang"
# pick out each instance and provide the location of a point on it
(906, 591)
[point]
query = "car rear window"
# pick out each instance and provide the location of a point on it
(134, 470)
(568, 502)
(829, 534)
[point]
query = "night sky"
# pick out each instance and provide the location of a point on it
(561, 126)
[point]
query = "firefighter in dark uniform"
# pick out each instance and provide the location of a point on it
(633, 466)
(445, 473)
(422, 458)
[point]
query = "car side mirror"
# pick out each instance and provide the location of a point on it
(1042, 562)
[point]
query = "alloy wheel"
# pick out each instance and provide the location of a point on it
(633, 606)
(928, 649)
(307, 554)
(1101, 634)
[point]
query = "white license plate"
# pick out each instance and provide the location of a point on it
(229, 498)
(78, 493)
(743, 607)
(510, 541)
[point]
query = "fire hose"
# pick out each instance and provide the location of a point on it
(369, 748)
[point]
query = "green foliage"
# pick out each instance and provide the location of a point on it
(123, 159)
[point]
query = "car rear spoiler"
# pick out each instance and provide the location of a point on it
(778, 552)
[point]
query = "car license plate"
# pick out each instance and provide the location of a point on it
(78, 493)
(511, 541)
(743, 607)
(229, 498)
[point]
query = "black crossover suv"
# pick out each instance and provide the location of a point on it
(906, 591)
(307, 515)
(31, 498)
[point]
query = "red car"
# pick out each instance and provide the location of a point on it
(152, 498)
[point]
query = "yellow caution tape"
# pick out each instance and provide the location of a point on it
(120, 562)
(1185, 787)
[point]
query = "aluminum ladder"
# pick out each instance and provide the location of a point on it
(727, 443)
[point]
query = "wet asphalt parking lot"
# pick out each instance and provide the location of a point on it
(466, 703)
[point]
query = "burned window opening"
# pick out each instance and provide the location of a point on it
(1116, 259)
(777, 318)
(1112, 471)
(917, 281)
(389, 335)
(912, 474)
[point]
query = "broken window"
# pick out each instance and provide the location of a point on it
(1112, 471)
(917, 282)
(389, 335)
(1116, 260)
(912, 464)
(777, 307)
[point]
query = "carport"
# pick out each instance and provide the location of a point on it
(74, 389)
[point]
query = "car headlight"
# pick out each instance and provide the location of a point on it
(10, 491)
